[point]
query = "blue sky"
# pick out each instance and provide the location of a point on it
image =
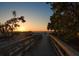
(36, 14)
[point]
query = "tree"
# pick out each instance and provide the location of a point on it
(49, 27)
(65, 18)
(14, 13)
(12, 24)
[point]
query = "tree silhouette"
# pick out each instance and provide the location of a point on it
(12, 24)
(65, 18)
(14, 13)
(49, 26)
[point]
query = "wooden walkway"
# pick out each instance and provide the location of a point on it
(43, 48)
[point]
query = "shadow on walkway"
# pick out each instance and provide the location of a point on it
(42, 49)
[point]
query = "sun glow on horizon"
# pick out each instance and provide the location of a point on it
(37, 15)
(22, 27)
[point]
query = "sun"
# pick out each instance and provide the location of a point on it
(22, 28)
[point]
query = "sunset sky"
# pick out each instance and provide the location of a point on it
(36, 14)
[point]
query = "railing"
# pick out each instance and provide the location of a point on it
(62, 48)
(14, 48)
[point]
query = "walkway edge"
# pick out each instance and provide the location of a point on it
(69, 50)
